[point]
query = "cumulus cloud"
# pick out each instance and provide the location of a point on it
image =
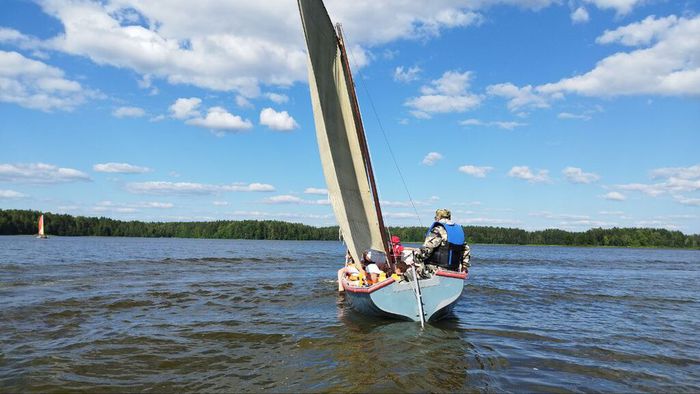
(243, 102)
(663, 61)
(687, 200)
(185, 108)
(620, 6)
(34, 84)
(692, 172)
(671, 180)
(568, 115)
(220, 119)
(290, 199)
(277, 98)
(448, 93)
(476, 171)
(580, 15)
(162, 187)
(118, 207)
(409, 75)
(521, 97)
(120, 168)
(667, 63)
(615, 196)
(10, 194)
(524, 172)
(40, 173)
(314, 190)
(431, 158)
(196, 44)
(506, 125)
(128, 112)
(576, 175)
(280, 121)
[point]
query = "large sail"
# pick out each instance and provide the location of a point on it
(337, 127)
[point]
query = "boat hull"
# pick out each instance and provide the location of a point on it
(398, 299)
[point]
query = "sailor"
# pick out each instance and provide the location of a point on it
(445, 245)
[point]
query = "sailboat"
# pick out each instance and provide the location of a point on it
(351, 184)
(41, 233)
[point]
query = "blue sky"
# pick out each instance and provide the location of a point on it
(532, 114)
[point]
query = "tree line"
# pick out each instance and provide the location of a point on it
(17, 222)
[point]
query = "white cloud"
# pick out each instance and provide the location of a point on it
(8, 194)
(621, 6)
(520, 98)
(651, 190)
(220, 203)
(568, 115)
(479, 172)
(668, 66)
(290, 199)
(221, 120)
(156, 204)
(314, 190)
(280, 121)
(277, 98)
(431, 158)
(506, 125)
(688, 201)
(162, 187)
(692, 172)
(196, 44)
(639, 33)
(117, 207)
(576, 175)
(580, 15)
(243, 102)
(447, 94)
(673, 180)
(33, 84)
(409, 75)
(615, 196)
(489, 221)
(40, 173)
(280, 215)
(524, 172)
(120, 168)
(128, 112)
(184, 108)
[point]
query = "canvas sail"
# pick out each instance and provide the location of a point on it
(337, 134)
(41, 225)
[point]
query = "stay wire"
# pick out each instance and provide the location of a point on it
(381, 128)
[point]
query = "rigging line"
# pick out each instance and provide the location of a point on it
(386, 140)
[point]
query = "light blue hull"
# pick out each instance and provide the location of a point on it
(398, 299)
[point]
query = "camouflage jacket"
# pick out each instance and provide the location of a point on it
(438, 237)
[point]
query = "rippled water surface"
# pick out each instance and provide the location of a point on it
(185, 315)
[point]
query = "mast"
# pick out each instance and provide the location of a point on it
(363, 144)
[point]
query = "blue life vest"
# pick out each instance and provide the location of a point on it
(449, 255)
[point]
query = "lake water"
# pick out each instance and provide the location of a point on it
(188, 315)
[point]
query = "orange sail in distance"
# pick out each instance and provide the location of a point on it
(42, 234)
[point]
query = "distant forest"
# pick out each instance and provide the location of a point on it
(16, 222)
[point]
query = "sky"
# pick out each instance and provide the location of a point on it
(535, 114)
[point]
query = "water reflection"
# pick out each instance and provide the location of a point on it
(399, 355)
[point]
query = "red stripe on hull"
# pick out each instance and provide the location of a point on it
(452, 274)
(367, 290)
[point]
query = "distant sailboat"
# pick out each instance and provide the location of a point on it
(42, 233)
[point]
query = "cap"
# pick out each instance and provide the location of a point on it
(442, 213)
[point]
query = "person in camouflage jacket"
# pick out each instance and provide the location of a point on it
(437, 237)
